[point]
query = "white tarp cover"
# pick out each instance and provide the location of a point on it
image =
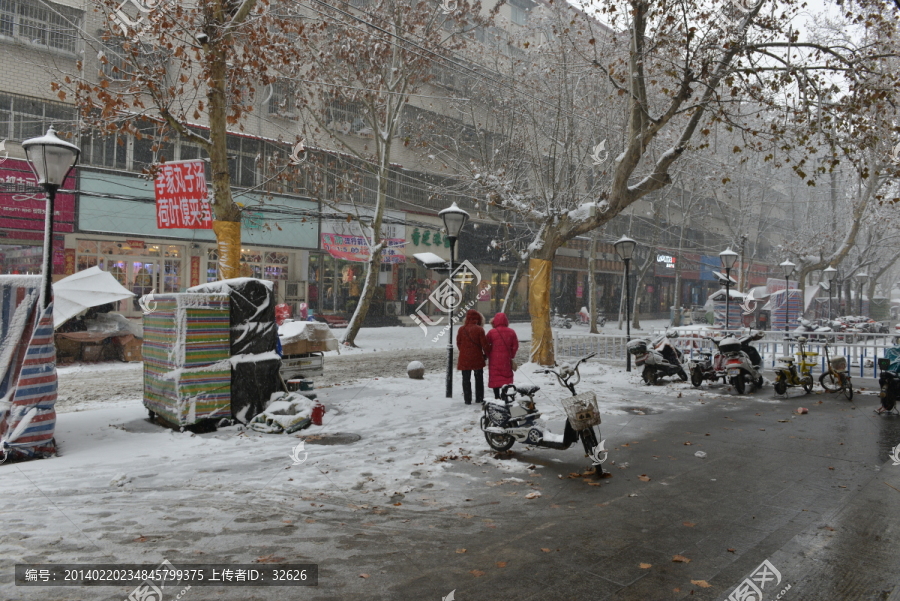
(88, 288)
(312, 331)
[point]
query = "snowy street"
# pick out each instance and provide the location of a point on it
(397, 495)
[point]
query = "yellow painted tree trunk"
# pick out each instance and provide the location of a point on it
(539, 272)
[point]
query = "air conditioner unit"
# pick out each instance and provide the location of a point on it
(294, 291)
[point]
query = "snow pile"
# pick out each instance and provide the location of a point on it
(286, 412)
(226, 286)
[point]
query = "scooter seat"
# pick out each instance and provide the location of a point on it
(786, 359)
(527, 389)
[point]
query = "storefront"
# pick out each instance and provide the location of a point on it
(570, 285)
(337, 274)
(117, 230)
(22, 218)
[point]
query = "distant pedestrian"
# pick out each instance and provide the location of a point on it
(473, 349)
(503, 344)
(411, 299)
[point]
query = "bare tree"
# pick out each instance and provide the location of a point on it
(179, 65)
(365, 65)
(665, 72)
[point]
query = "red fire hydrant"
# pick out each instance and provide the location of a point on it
(317, 413)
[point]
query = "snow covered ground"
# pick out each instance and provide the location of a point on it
(117, 471)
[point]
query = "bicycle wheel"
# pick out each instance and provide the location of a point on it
(807, 383)
(830, 381)
(847, 387)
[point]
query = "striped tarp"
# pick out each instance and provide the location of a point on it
(186, 351)
(27, 370)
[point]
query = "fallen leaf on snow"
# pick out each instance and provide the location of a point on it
(545, 549)
(701, 583)
(501, 564)
(645, 566)
(460, 550)
(731, 550)
(533, 495)
(644, 478)
(141, 539)
(476, 573)
(269, 559)
(688, 443)
(680, 559)
(363, 575)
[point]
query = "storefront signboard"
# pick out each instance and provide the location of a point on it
(182, 196)
(102, 210)
(23, 203)
(356, 248)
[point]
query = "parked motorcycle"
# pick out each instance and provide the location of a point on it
(560, 321)
(508, 421)
(659, 358)
(743, 363)
(814, 330)
(790, 375)
(889, 380)
(711, 365)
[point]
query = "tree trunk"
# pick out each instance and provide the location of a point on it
(374, 265)
(227, 214)
(512, 286)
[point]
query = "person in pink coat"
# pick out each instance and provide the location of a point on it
(503, 344)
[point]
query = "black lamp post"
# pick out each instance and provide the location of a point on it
(788, 268)
(728, 258)
(454, 220)
(625, 249)
(51, 159)
(861, 277)
(830, 273)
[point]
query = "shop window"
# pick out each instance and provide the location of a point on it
(21, 259)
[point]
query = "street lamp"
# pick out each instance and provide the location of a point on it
(51, 159)
(830, 273)
(788, 268)
(861, 277)
(728, 258)
(625, 249)
(454, 220)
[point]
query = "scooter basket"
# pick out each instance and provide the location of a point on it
(884, 363)
(839, 364)
(582, 411)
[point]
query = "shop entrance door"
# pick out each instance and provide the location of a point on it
(140, 277)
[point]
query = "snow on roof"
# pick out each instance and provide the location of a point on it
(429, 258)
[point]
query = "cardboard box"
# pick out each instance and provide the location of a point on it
(91, 352)
(131, 351)
(302, 347)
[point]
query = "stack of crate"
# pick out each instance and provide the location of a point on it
(186, 351)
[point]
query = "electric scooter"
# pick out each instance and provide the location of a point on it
(508, 420)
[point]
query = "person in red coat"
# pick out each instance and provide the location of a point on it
(503, 344)
(473, 348)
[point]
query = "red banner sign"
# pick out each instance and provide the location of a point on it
(182, 197)
(356, 248)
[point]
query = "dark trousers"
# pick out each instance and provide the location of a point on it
(467, 385)
(496, 392)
